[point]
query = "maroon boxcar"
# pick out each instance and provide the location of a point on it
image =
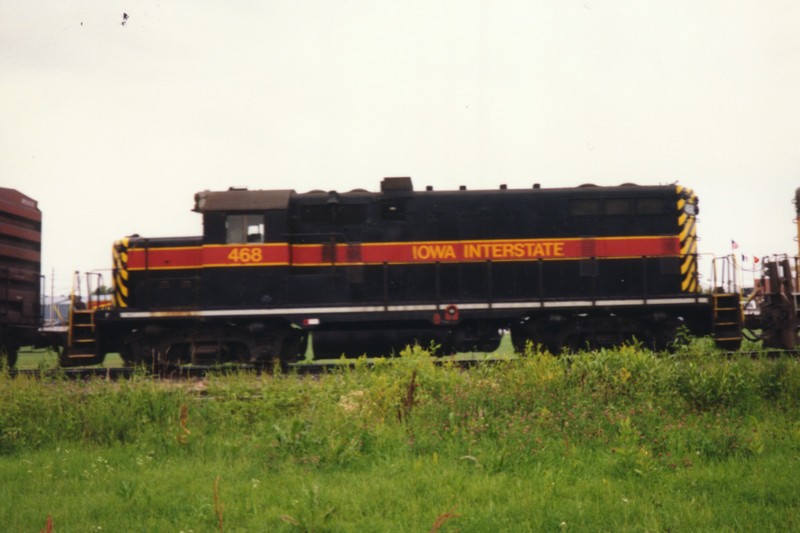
(20, 272)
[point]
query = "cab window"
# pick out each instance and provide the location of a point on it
(242, 229)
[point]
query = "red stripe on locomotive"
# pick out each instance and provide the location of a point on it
(417, 252)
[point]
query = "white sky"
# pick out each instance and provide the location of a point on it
(113, 128)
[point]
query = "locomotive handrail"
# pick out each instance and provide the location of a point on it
(94, 292)
(728, 280)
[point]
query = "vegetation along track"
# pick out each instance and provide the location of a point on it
(300, 369)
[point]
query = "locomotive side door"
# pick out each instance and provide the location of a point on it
(316, 275)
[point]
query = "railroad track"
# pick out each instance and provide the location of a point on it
(197, 372)
(306, 368)
(115, 373)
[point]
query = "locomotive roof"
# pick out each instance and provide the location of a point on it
(242, 200)
(590, 190)
(239, 199)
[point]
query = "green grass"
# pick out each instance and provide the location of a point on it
(44, 358)
(112, 489)
(613, 440)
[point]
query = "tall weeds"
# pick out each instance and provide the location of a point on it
(343, 412)
(622, 417)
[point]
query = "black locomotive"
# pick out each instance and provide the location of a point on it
(370, 272)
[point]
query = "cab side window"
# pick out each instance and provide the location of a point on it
(247, 228)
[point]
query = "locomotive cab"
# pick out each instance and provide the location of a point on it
(244, 230)
(239, 216)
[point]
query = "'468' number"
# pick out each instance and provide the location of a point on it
(246, 255)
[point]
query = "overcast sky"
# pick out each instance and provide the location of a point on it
(113, 127)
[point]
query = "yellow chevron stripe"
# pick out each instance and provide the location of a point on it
(689, 282)
(689, 268)
(688, 240)
(689, 248)
(122, 289)
(689, 252)
(120, 254)
(688, 231)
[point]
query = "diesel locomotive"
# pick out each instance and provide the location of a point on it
(364, 272)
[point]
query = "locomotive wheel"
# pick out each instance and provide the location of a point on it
(295, 344)
(274, 344)
(789, 338)
(279, 347)
(551, 337)
(664, 336)
(9, 357)
(476, 337)
(138, 351)
(126, 352)
(593, 332)
(518, 339)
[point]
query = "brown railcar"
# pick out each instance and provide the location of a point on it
(20, 271)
